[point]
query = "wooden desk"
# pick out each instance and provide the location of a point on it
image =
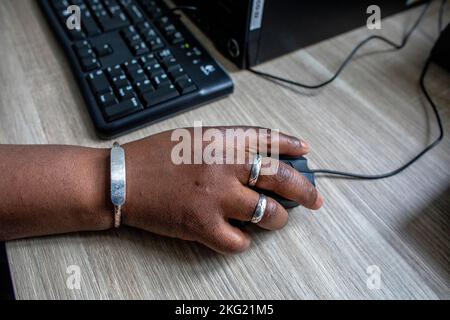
(372, 119)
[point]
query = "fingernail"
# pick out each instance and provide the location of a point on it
(304, 144)
(297, 142)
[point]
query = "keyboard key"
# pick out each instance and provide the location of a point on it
(76, 35)
(165, 55)
(143, 87)
(114, 8)
(132, 65)
(197, 52)
(101, 14)
(142, 26)
(185, 85)
(153, 11)
(129, 32)
(99, 83)
(169, 29)
(155, 44)
(89, 64)
(110, 24)
(148, 62)
(126, 93)
(154, 69)
(120, 82)
(104, 50)
(60, 5)
(85, 52)
(133, 40)
(171, 64)
(147, 57)
(176, 38)
(156, 72)
(140, 49)
(162, 22)
(122, 109)
(82, 44)
(132, 11)
(161, 80)
(160, 95)
(177, 73)
(115, 71)
(148, 33)
(107, 99)
(137, 75)
(95, 5)
(89, 25)
(151, 65)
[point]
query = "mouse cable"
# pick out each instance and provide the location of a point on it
(351, 175)
(349, 57)
(329, 172)
(346, 61)
(410, 162)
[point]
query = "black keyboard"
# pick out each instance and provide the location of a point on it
(135, 62)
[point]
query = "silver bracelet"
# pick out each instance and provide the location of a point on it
(118, 182)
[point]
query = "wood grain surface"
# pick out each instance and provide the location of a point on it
(371, 119)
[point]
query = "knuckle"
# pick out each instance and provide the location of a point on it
(275, 216)
(271, 211)
(284, 174)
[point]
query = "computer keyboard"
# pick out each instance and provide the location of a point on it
(135, 62)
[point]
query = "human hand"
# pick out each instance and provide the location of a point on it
(195, 201)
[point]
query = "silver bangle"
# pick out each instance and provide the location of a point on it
(118, 181)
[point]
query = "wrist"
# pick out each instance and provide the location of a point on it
(96, 199)
(138, 171)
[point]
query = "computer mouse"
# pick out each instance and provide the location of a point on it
(301, 165)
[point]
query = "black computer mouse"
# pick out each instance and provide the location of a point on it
(301, 165)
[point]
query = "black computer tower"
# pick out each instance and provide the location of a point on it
(250, 32)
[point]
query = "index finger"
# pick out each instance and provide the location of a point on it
(287, 145)
(272, 141)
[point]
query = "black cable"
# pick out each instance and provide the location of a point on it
(349, 57)
(341, 68)
(420, 154)
(414, 159)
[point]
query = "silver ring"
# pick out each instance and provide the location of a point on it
(255, 170)
(260, 209)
